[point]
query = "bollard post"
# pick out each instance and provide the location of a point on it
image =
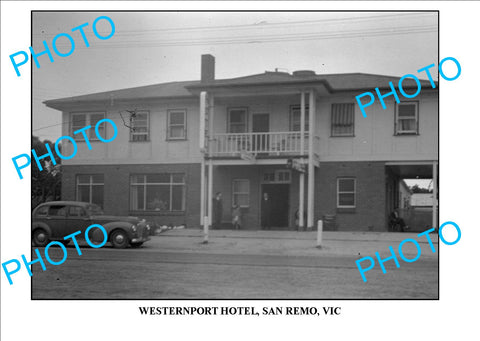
(319, 234)
(205, 230)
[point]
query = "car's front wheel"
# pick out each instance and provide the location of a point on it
(119, 239)
(40, 237)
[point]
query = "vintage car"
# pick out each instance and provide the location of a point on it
(56, 219)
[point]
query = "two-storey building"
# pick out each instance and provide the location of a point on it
(299, 137)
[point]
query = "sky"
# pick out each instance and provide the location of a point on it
(157, 47)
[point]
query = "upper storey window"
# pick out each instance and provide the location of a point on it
(343, 119)
(406, 118)
(81, 120)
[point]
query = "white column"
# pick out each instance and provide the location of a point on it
(202, 190)
(311, 168)
(210, 192)
(435, 191)
(203, 113)
(211, 114)
(302, 123)
(301, 206)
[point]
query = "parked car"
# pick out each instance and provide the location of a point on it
(57, 219)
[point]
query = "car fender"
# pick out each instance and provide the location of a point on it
(115, 225)
(43, 226)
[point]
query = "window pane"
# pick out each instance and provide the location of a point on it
(83, 193)
(58, 211)
(137, 179)
(178, 178)
(346, 199)
(346, 185)
(158, 178)
(136, 197)
(343, 119)
(75, 211)
(407, 125)
(177, 117)
(295, 117)
(42, 211)
(177, 132)
(158, 197)
(94, 118)
(140, 129)
(237, 116)
(97, 195)
(178, 198)
(97, 178)
(140, 137)
(83, 179)
(237, 128)
(79, 120)
(406, 110)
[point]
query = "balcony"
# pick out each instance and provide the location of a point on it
(271, 144)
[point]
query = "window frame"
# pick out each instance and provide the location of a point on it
(246, 113)
(347, 192)
(332, 133)
(147, 133)
(293, 109)
(90, 187)
(171, 184)
(235, 193)
(92, 136)
(184, 125)
(397, 132)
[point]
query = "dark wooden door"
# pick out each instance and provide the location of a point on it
(260, 124)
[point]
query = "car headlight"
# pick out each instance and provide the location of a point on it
(134, 228)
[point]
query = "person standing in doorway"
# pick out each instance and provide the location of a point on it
(266, 212)
(217, 211)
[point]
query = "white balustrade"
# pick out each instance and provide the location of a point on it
(270, 143)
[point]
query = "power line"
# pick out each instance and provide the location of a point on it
(265, 38)
(264, 24)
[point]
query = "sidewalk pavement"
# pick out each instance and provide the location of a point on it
(292, 243)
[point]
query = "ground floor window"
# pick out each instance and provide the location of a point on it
(241, 192)
(346, 188)
(90, 188)
(157, 192)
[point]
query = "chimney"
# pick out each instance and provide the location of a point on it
(208, 68)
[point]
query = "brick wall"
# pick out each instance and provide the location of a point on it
(369, 213)
(117, 190)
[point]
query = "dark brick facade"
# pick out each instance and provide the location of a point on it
(368, 215)
(370, 211)
(117, 189)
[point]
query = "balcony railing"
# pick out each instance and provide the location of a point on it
(264, 144)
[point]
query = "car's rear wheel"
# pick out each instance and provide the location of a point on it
(40, 237)
(119, 239)
(136, 245)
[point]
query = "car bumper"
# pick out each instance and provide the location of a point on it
(140, 239)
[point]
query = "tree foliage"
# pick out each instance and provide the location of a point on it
(46, 183)
(417, 189)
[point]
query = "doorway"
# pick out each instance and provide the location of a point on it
(260, 124)
(278, 195)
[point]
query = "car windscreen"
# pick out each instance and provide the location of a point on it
(94, 210)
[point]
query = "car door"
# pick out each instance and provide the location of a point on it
(77, 220)
(56, 220)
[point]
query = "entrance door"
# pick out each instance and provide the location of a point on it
(260, 124)
(279, 204)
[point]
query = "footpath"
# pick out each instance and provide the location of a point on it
(293, 243)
